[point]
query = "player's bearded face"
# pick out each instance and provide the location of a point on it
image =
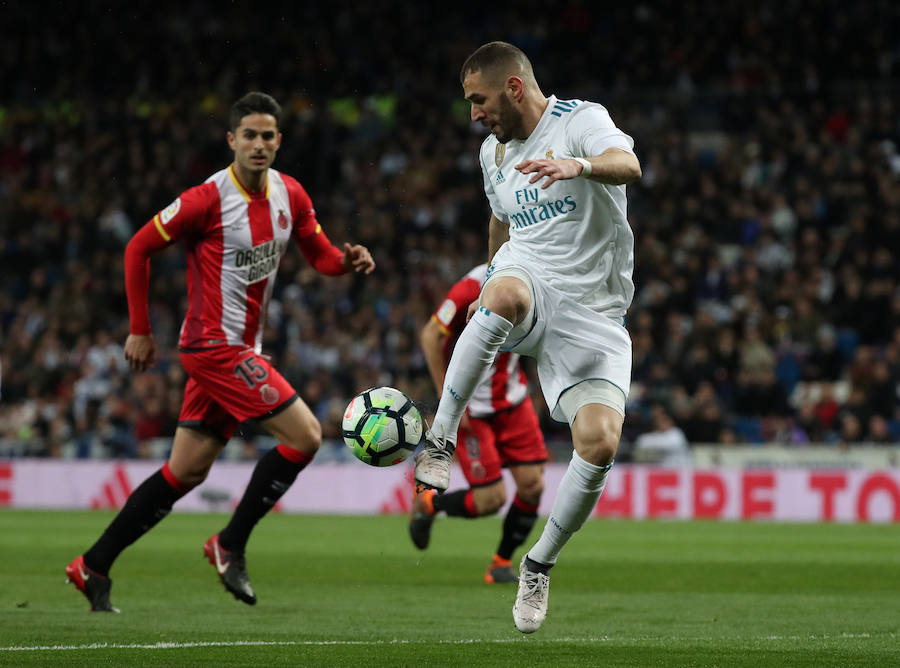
(492, 107)
(508, 122)
(255, 142)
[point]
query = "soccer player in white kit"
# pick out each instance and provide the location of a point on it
(559, 283)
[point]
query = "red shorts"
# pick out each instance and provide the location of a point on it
(507, 438)
(229, 385)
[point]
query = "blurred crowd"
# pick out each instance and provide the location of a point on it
(767, 222)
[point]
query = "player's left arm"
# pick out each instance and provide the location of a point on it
(325, 257)
(601, 152)
(614, 167)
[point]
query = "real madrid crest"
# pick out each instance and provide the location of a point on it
(549, 154)
(499, 154)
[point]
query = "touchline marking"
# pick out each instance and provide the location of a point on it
(464, 641)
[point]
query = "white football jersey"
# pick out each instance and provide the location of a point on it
(574, 234)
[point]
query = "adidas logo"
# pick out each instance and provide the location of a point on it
(114, 492)
(500, 178)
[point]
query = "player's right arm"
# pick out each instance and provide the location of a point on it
(434, 339)
(448, 320)
(498, 234)
(186, 215)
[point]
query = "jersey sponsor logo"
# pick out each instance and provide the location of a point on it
(282, 220)
(446, 312)
(170, 211)
(260, 261)
(499, 154)
(269, 394)
(533, 211)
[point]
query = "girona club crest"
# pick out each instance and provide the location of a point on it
(282, 219)
(269, 394)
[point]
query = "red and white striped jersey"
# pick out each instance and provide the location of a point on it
(505, 385)
(234, 242)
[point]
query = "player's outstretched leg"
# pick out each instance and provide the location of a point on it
(232, 569)
(272, 476)
(473, 355)
(422, 518)
(94, 586)
(433, 462)
(530, 608)
(147, 505)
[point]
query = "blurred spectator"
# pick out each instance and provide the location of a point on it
(665, 444)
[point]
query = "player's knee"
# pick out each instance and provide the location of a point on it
(597, 442)
(508, 300)
(493, 500)
(306, 438)
(530, 491)
(310, 438)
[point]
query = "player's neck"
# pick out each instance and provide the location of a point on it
(532, 113)
(253, 182)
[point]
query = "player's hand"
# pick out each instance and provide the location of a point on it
(553, 170)
(358, 258)
(140, 351)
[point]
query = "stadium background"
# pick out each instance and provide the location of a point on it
(767, 222)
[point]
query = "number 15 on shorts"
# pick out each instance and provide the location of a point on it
(251, 372)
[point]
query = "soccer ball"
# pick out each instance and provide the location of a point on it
(382, 426)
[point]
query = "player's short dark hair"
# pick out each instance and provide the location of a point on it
(495, 57)
(254, 103)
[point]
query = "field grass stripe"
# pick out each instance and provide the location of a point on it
(462, 641)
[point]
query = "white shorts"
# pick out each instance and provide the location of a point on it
(571, 344)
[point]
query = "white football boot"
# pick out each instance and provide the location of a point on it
(530, 608)
(433, 463)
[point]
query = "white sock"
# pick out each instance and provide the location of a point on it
(472, 357)
(576, 497)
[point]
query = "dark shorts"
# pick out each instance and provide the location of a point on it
(507, 438)
(228, 385)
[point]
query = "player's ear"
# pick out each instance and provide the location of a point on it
(515, 88)
(230, 136)
(278, 141)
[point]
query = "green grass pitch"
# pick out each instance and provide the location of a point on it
(352, 591)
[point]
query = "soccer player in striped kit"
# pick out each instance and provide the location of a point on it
(500, 428)
(561, 256)
(235, 226)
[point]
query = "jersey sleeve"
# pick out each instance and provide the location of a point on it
(493, 199)
(308, 233)
(189, 215)
(450, 316)
(303, 213)
(591, 131)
